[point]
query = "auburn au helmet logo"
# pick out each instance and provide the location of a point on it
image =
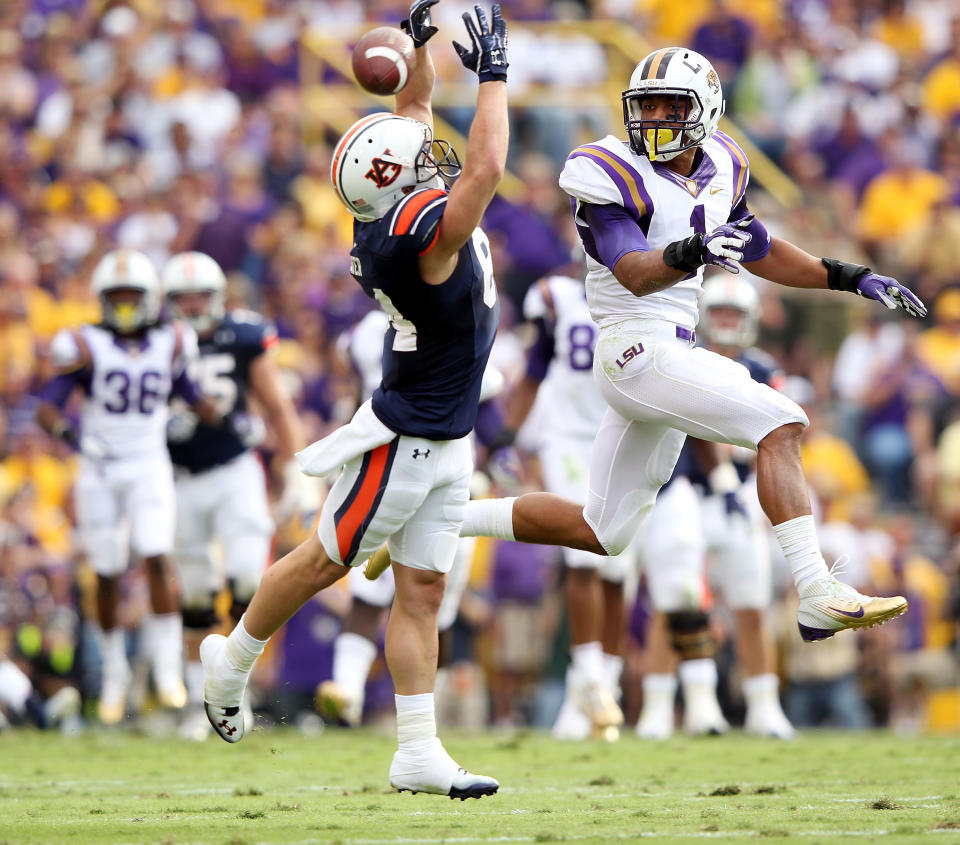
(382, 172)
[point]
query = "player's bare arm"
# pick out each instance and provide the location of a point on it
(486, 153)
(789, 265)
(414, 99)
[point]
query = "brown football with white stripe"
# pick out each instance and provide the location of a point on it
(383, 60)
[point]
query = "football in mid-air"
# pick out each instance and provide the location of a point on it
(383, 60)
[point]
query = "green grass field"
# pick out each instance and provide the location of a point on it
(283, 787)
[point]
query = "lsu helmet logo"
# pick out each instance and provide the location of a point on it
(383, 172)
(713, 81)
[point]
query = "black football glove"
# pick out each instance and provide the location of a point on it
(419, 26)
(488, 58)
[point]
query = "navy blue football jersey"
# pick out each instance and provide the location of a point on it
(440, 336)
(764, 369)
(223, 373)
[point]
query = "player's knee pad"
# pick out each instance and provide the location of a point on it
(690, 634)
(199, 618)
(241, 594)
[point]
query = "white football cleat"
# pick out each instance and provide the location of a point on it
(701, 712)
(571, 722)
(828, 605)
(112, 706)
(223, 686)
(770, 722)
(434, 771)
(656, 721)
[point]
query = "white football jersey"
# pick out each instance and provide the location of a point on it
(667, 207)
(573, 405)
(128, 385)
(363, 344)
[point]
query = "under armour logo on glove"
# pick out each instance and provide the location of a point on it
(488, 58)
(891, 293)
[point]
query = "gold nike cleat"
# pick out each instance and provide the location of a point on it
(110, 711)
(829, 605)
(378, 563)
(172, 696)
(599, 705)
(336, 706)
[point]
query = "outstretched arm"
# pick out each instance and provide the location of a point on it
(789, 265)
(486, 153)
(414, 99)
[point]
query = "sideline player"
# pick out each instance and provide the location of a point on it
(405, 454)
(127, 366)
(724, 520)
(651, 213)
(220, 482)
(559, 374)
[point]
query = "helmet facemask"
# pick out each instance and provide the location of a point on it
(129, 315)
(205, 320)
(663, 139)
(437, 162)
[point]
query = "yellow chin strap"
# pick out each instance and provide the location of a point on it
(656, 138)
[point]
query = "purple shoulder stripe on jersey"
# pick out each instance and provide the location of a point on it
(636, 198)
(541, 352)
(57, 391)
(740, 165)
(613, 233)
(184, 387)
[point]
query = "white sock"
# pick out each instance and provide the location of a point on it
(612, 669)
(658, 688)
(164, 633)
(353, 656)
(416, 719)
(587, 661)
(194, 675)
(798, 539)
(761, 690)
(701, 671)
(489, 518)
(242, 649)
(113, 650)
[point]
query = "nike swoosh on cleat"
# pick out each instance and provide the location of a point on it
(853, 615)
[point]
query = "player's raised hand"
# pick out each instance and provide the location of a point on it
(723, 247)
(419, 26)
(488, 58)
(891, 293)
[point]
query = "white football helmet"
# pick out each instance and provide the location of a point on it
(383, 157)
(127, 269)
(687, 75)
(729, 292)
(196, 272)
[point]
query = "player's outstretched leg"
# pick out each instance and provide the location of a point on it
(826, 604)
(228, 661)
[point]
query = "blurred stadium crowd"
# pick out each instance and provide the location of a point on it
(172, 126)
